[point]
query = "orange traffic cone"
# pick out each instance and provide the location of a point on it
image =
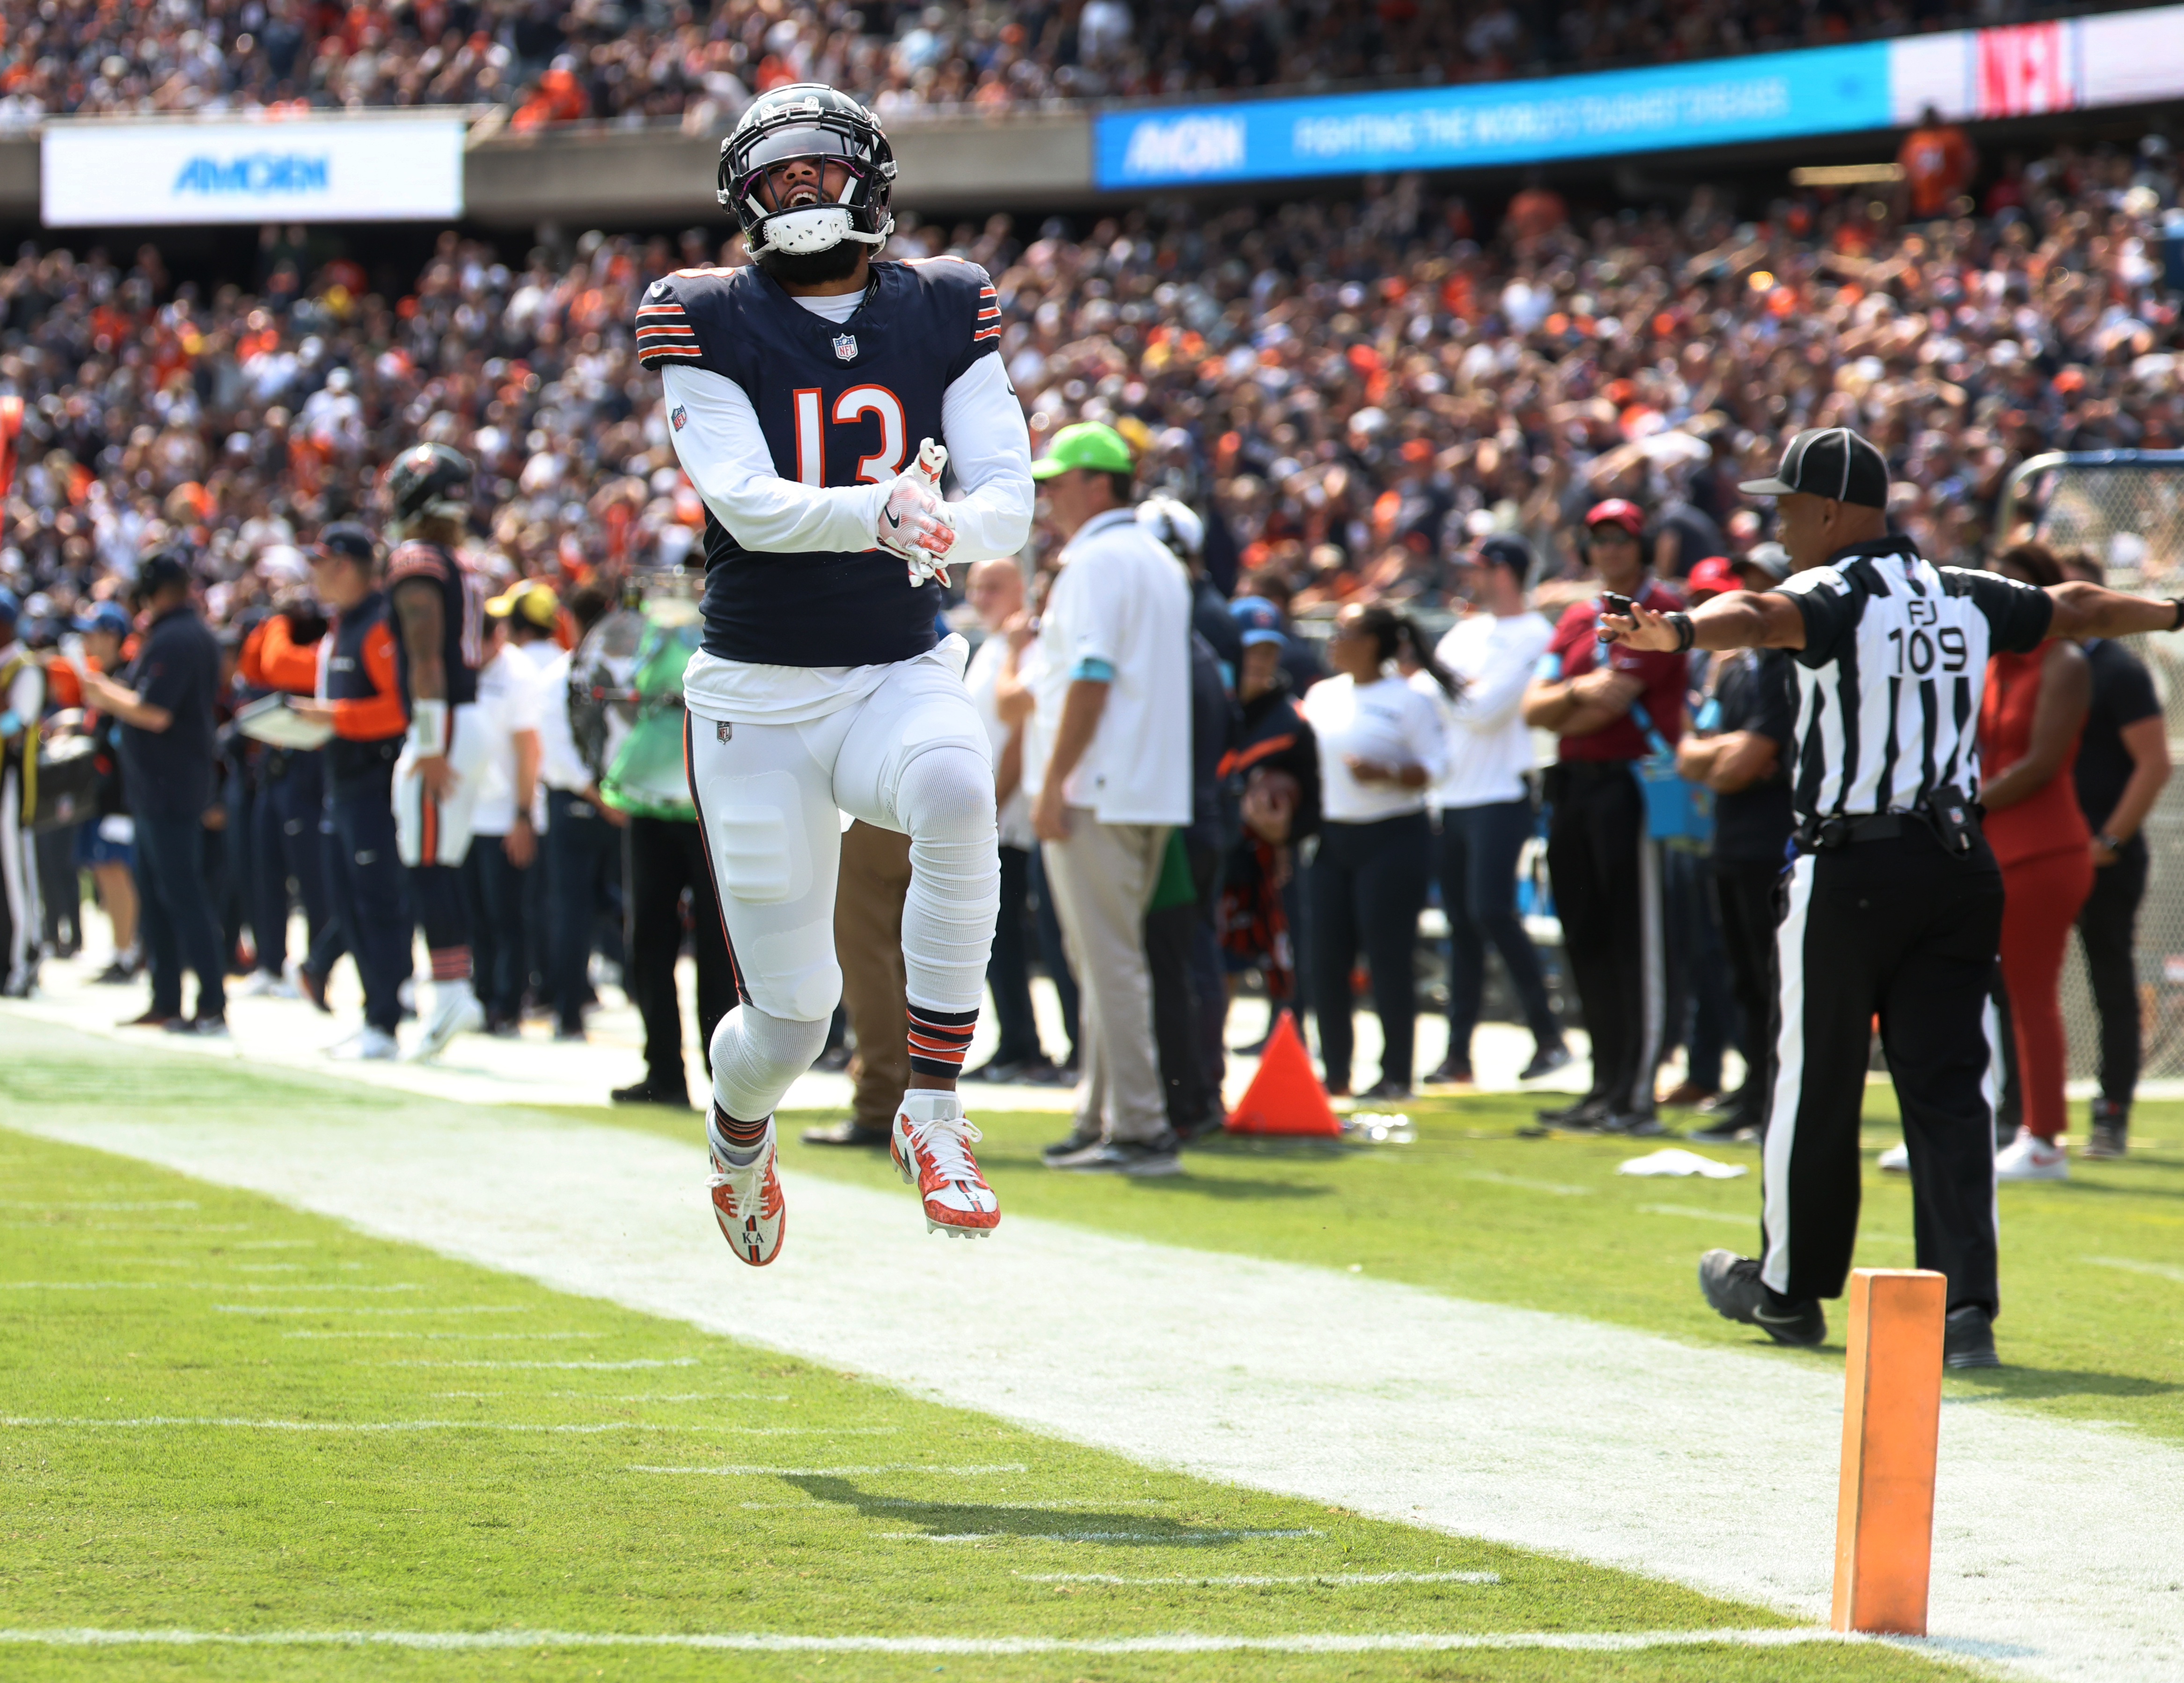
(1285, 1097)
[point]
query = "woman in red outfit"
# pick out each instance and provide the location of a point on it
(2029, 717)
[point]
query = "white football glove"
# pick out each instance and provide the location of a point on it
(915, 522)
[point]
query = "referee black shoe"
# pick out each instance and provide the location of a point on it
(1733, 1287)
(1967, 1339)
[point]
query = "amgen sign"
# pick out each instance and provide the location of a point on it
(109, 173)
(1185, 148)
(260, 173)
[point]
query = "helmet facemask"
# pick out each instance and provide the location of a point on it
(810, 228)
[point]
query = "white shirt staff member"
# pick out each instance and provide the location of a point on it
(1484, 803)
(1381, 748)
(1109, 741)
(1894, 902)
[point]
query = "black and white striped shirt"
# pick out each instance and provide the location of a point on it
(1890, 677)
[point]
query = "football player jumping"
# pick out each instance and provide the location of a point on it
(814, 399)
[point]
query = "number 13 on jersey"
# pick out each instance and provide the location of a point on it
(851, 409)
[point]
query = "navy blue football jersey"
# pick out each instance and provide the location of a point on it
(462, 616)
(840, 404)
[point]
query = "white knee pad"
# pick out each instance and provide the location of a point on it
(756, 1058)
(946, 801)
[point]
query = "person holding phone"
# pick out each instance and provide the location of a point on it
(1605, 702)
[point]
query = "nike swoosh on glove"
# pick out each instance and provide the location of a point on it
(915, 522)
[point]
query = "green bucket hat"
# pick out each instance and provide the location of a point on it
(1084, 444)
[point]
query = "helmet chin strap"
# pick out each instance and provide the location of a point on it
(812, 230)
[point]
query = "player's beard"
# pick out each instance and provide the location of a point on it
(812, 268)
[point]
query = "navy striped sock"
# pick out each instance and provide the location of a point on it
(938, 1039)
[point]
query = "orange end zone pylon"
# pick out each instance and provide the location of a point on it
(1892, 1423)
(1285, 1097)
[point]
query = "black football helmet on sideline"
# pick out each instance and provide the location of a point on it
(808, 120)
(428, 480)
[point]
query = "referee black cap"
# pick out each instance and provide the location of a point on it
(1829, 461)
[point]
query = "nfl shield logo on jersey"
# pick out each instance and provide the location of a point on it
(845, 347)
(680, 418)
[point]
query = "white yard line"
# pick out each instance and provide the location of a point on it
(1306, 1643)
(977, 1471)
(353, 1309)
(2159, 1270)
(149, 1422)
(1535, 1430)
(1255, 1580)
(1143, 1539)
(593, 1367)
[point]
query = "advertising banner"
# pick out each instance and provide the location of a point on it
(107, 172)
(2014, 70)
(1719, 102)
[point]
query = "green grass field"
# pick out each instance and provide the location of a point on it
(500, 1490)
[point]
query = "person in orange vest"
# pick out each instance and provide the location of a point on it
(285, 842)
(359, 695)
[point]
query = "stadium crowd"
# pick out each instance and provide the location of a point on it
(1354, 394)
(547, 62)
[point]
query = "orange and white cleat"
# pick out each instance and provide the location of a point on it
(931, 1145)
(747, 1201)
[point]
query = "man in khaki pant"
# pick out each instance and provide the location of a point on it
(1110, 739)
(868, 901)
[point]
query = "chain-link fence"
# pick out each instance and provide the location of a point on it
(2127, 508)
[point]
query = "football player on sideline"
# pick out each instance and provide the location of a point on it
(439, 607)
(813, 399)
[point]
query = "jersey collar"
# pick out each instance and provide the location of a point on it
(1895, 544)
(865, 317)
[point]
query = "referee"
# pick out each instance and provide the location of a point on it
(1892, 902)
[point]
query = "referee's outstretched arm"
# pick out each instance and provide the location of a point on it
(1745, 619)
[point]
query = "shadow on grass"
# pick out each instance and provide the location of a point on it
(2011, 1381)
(1226, 1188)
(939, 1519)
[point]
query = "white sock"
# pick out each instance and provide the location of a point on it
(932, 1103)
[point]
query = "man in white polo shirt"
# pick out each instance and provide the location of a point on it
(1107, 760)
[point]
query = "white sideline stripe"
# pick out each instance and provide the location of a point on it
(1256, 1580)
(125, 1227)
(155, 1420)
(178, 1285)
(475, 1336)
(1560, 1189)
(365, 1309)
(1697, 1214)
(1310, 1643)
(1188, 1539)
(2159, 1270)
(1540, 1430)
(558, 1366)
(97, 1204)
(841, 1472)
(648, 1395)
(1038, 1504)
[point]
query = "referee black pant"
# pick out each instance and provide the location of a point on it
(1897, 928)
(1606, 873)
